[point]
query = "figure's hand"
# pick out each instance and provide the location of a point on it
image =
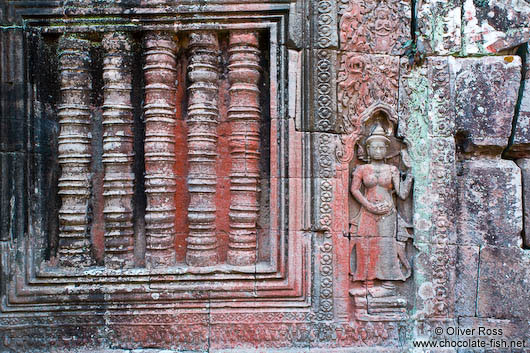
(405, 158)
(379, 208)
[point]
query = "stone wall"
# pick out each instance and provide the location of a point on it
(203, 176)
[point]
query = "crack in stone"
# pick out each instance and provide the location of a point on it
(522, 50)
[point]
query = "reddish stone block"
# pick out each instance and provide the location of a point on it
(490, 207)
(485, 92)
(503, 285)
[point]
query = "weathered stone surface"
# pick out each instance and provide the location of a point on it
(434, 275)
(375, 27)
(425, 98)
(524, 164)
(494, 25)
(467, 271)
(489, 203)
(426, 121)
(509, 331)
(485, 96)
(12, 196)
(12, 102)
(504, 283)
(439, 26)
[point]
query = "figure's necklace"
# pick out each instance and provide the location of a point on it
(377, 170)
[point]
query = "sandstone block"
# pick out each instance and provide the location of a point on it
(486, 91)
(434, 274)
(516, 330)
(466, 269)
(504, 283)
(490, 207)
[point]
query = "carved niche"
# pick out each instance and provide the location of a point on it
(169, 168)
(380, 216)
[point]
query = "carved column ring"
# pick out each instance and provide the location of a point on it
(203, 73)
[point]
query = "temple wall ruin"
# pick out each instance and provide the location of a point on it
(237, 175)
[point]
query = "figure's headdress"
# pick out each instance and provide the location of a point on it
(378, 134)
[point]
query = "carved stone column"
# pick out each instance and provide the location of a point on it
(244, 117)
(74, 152)
(202, 123)
(160, 121)
(118, 139)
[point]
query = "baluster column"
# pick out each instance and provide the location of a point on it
(244, 116)
(160, 122)
(74, 152)
(202, 121)
(118, 140)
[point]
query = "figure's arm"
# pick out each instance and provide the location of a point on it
(402, 187)
(356, 188)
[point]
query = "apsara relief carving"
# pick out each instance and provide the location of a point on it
(380, 216)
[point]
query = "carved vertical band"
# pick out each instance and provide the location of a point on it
(74, 152)
(118, 139)
(160, 122)
(244, 117)
(203, 114)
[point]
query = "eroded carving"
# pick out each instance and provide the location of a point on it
(244, 117)
(380, 222)
(203, 118)
(74, 152)
(160, 180)
(364, 81)
(379, 27)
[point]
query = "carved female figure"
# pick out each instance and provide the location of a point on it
(379, 255)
